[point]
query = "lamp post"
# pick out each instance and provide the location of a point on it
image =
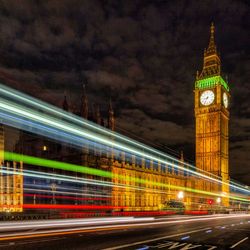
(218, 200)
(180, 195)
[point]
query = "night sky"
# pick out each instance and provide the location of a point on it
(142, 54)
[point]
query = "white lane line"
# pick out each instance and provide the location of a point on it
(239, 242)
(155, 239)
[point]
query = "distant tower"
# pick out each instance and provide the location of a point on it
(111, 117)
(1, 164)
(182, 157)
(65, 104)
(98, 115)
(212, 116)
(11, 184)
(182, 161)
(84, 104)
(1, 144)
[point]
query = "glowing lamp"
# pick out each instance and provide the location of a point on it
(180, 195)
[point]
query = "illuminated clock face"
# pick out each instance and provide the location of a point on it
(225, 100)
(207, 97)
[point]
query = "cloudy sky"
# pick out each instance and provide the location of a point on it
(142, 54)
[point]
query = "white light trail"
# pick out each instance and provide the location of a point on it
(79, 131)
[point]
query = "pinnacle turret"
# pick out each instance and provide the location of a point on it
(211, 46)
(84, 104)
(111, 117)
(211, 63)
(65, 104)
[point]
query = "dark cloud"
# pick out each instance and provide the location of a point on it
(144, 54)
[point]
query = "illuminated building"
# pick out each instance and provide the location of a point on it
(211, 112)
(1, 144)
(211, 119)
(54, 149)
(11, 182)
(151, 196)
(147, 197)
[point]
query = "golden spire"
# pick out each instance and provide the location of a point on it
(211, 61)
(65, 103)
(111, 117)
(84, 103)
(182, 156)
(211, 46)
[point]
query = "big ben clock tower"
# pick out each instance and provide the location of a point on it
(211, 119)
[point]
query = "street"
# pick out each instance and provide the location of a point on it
(173, 232)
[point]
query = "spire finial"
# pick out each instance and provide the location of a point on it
(211, 61)
(111, 117)
(65, 103)
(98, 115)
(182, 156)
(197, 74)
(211, 46)
(110, 105)
(212, 28)
(84, 103)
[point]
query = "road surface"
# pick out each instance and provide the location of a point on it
(175, 232)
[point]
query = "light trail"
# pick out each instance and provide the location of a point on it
(79, 180)
(67, 222)
(49, 121)
(51, 232)
(97, 172)
(176, 166)
(14, 226)
(68, 128)
(106, 198)
(64, 192)
(71, 207)
(30, 101)
(26, 99)
(56, 177)
(73, 118)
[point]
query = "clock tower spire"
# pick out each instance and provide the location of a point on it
(211, 61)
(211, 119)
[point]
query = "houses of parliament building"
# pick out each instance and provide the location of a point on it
(211, 101)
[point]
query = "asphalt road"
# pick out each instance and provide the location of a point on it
(176, 232)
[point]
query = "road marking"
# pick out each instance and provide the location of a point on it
(156, 239)
(185, 237)
(239, 242)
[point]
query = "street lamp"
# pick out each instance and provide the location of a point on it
(218, 200)
(180, 195)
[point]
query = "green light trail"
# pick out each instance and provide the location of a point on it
(57, 177)
(9, 156)
(84, 132)
(30, 114)
(54, 110)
